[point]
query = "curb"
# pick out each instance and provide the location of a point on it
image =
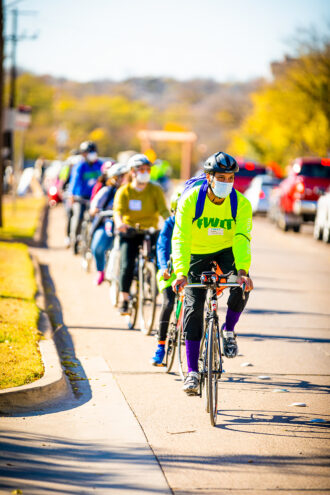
(40, 235)
(53, 385)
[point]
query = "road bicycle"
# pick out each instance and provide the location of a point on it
(143, 293)
(210, 356)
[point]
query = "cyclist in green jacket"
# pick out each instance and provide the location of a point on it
(214, 236)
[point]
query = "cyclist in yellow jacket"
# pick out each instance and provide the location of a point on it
(138, 202)
(218, 236)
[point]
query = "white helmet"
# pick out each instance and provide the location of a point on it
(117, 169)
(138, 160)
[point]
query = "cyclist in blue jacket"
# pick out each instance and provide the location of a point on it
(165, 280)
(82, 181)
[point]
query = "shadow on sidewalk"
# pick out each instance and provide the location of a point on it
(39, 464)
(277, 382)
(280, 463)
(81, 390)
(288, 338)
(255, 311)
(300, 424)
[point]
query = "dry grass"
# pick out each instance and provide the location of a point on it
(16, 271)
(20, 360)
(20, 219)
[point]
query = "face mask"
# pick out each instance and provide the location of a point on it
(222, 189)
(91, 157)
(143, 178)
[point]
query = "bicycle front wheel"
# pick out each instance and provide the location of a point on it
(213, 359)
(147, 295)
(202, 368)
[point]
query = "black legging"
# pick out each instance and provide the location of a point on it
(129, 249)
(195, 298)
(165, 312)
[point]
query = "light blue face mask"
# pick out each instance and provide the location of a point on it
(221, 189)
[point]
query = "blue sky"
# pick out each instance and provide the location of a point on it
(222, 39)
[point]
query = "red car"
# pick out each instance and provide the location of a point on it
(297, 195)
(247, 171)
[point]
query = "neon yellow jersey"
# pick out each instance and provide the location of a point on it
(213, 231)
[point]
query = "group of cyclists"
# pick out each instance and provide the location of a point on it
(208, 221)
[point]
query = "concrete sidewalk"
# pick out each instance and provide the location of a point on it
(91, 443)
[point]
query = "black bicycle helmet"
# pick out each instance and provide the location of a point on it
(137, 160)
(88, 147)
(220, 162)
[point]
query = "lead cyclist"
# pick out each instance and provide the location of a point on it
(217, 235)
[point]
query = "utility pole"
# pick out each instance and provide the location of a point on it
(7, 137)
(12, 89)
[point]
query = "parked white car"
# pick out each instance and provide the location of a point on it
(258, 192)
(322, 218)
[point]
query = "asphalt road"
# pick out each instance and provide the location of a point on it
(126, 411)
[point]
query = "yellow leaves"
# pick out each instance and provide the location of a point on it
(289, 116)
(65, 105)
(226, 118)
(97, 134)
(174, 127)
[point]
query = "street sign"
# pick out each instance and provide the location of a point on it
(17, 119)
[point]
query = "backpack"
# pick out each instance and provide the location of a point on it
(200, 180)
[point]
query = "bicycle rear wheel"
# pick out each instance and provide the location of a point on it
(213, 360)
(111, 272)
(182, 359)
(147, 295)
(171, 344)
(133, 304)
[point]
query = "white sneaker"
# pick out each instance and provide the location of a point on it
(191, 383)
(229, 343)
(67, 242)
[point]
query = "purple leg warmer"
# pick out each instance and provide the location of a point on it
(192, 351)
(232, 318)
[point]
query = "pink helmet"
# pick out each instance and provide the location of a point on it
(107, 165)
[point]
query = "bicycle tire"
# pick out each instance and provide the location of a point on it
(133, 304)
(171, 344)
(114, 292)
(182, 361)
(212, 372)
(83, 244)
(87, 261)
(147, 295)
(202, 367)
